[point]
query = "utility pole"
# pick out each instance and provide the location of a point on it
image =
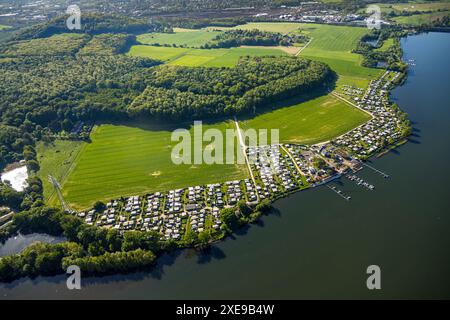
(57, 187)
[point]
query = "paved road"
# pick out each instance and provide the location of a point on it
(244, 151)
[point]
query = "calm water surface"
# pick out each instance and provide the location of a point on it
(317, 245)
(19, 242)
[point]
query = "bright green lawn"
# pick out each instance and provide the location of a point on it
(158, 53)
(56, 159)
(201, 57)
(310, 122)
(126, 160)
(386, 45)
(192, 38)
(333, 45)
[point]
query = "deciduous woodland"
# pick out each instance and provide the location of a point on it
(174, 92)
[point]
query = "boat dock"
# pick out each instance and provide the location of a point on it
(339, 193)
(360, 182)
(385, 175)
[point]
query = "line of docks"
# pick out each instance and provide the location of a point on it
(357, 180)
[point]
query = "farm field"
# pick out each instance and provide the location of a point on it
(201, 57)
(125, 160)
(333, 45)
(418, 19)
(310, 122)
(56, 159)
(413, 7)
(330, 44)
(183, 37)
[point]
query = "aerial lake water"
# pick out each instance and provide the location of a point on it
(315, 244)
(17, 243)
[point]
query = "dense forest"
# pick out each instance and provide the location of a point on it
(92, 24)
(236, 38)
(188, 93)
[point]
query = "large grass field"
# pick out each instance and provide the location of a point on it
(201, 57)
(184, 37)
(330, 44)
(124, 160)
(56, 159)
(418, 19)
(411, 6)
(333, 45)
(310, 122)
(424, 6)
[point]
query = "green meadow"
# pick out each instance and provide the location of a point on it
(424, 6)
(200, 57)
(310, 122)
(185, 37)
(418, 19)
(56, 159)
(124, 160)
(333, 45)
(330, 44)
